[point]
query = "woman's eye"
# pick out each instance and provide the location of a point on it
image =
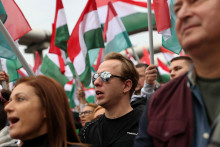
(20, 99)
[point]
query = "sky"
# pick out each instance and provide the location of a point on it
(40, 15)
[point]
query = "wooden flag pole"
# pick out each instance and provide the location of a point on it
(150, 30)
(15, 49)
(4, 84)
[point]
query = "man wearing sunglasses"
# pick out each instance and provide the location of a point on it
(114, 82)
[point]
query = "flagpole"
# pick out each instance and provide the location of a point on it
(135, 54)
(4, 85)
(150, 30)
(15, 49)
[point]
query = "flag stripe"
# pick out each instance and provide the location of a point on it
(61, 18)
(119, 43)
(114, 29)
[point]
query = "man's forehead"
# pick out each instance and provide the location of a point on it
(109, 65)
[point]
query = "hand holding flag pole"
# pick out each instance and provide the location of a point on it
(15, 49)
(150, 30)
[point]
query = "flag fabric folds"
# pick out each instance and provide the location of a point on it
(164, 75)
(37, 63)
(16, 23)
(172, 42)
(62, 32)
(133, 15)
(3, 15)
(168, 55)
(11, 67)
(116, 35)
(162, 17)
(130, 57)
(146, 57)
(50, 67)
(86, 35)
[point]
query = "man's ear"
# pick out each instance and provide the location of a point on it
(127, 86)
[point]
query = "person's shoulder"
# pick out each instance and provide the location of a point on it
(90, 128)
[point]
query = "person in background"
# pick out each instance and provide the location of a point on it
(39, 113)
(115, 82)
(185, 111)
(179, 66)
(99, 111)
(87, 114)
(5, 139)
(140, 67)
(138, 100)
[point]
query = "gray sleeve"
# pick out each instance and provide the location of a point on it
(147, 90)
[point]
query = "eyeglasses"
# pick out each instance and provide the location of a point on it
(105, 76)
(85, 113)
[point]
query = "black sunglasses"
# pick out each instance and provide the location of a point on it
(105, 76)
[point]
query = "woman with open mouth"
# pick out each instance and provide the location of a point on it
(39, 114)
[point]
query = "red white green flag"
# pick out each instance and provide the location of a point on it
(163, 70)
(132, 13)
(62, 32)
(86, 35)
(168, 55)
(146, 57)
(116, 35)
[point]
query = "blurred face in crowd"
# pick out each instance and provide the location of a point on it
(141, 72)
(98, 113)
(109, 92)
(197, 25)
(25, 113)
(178, 68)
(86, 115)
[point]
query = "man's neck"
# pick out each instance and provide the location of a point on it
(208, 67)
(118, 110)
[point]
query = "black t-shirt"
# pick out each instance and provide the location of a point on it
(113, 128)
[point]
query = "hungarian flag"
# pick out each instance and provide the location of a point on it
(116, 36)
(16, 23)
(168, 55)
(146, 57)
(132, 13)
(86, 35)
(51, 67)
(162, 16)
(37, 63)
(62, 32)
(164, 75)
(130, 57)
(69, 88)
(54, 49)
(11, 67)
(100, 58)
(3, 15)
(90, 94)
(171, 42)
(22, 72)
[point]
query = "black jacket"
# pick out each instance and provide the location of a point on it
(91, 133)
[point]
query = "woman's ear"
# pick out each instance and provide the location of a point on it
(127, 86)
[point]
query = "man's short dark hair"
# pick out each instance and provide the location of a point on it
(187, 58)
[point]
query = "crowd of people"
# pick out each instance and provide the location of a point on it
(132, 108)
